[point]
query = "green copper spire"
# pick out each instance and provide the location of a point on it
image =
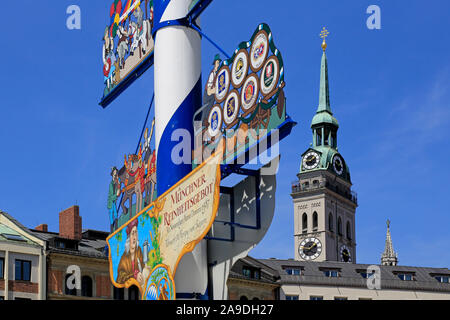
(324, 94)
(323, 113)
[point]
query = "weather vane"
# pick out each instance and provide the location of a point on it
(324, 34)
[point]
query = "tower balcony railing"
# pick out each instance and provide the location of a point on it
(305, 187)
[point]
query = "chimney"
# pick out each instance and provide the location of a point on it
(42, 227)
(70, 223)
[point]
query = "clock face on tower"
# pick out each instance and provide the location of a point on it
(310, 249)
(338, 164)
(345, 254)
(311, 160)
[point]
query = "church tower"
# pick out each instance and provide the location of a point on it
(324, 204)
(389, 256)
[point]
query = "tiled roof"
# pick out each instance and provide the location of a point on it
(267, 274)
(312, 274)
(90, 247)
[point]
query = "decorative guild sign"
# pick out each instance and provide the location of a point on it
(127, 41)
(244, 98)
(146, 250)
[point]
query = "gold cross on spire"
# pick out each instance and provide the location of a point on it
(324, 34)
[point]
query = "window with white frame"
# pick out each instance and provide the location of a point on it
(405, 276)
(330, 273)
(293, 271)
(442, 278)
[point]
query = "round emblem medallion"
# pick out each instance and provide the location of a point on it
(215, 121)
(231, 107)
(269, 75)
(222, 83)
(259, 51)
(249, 92)
(239, 68)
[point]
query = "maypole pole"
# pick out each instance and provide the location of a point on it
(177, 71)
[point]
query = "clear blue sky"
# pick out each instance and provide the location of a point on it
(389, 90)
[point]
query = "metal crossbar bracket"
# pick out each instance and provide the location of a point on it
(230, 192)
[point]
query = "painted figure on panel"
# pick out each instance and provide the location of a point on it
(114, 192)
(128, 176)
(131, 265)
(122, 46)
(140, 180)
(163, 293)
(150, 167)
(149, 4)
(109, 59)
(210, 89)
(140, 32)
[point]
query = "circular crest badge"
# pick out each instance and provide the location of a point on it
(215, 121)
(259, 50)
(269, 75)
(231, 107)
(239, 68)
(222, 83)
(249, 92)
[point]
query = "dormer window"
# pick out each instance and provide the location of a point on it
(293, 271)
(60, 244)
(365, 274)
(330, 273)
(251, 273)
(442, 278)
(405, 276)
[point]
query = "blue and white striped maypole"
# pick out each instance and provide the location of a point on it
(177, 68)
(177, 65)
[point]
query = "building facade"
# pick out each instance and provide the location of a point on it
(301, 280)
(249, 279)
(22, 262)
(71, 264)
(77, 262)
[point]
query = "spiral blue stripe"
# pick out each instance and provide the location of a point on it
(167, 171)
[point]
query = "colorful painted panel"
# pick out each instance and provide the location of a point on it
(133, 186)
(243, 100)
(127, 40)
(145, 252)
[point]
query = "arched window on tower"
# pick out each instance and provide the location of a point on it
(315, 221)
(340, 226)
(333, 140)
(330, 222)
(318, 137)
(327, 136)
(305, 223)
(349, 231)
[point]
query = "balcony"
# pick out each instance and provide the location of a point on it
(306, 187)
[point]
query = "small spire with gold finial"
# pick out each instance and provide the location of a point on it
(324, 34)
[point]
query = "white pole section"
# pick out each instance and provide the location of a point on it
(177, 65)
